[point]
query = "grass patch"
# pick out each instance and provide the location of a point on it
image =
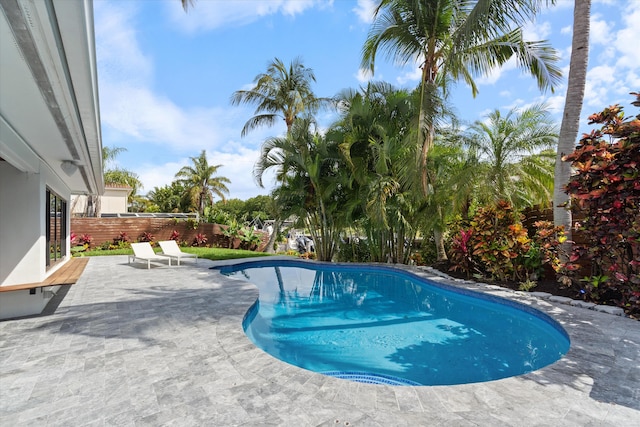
(214, 254)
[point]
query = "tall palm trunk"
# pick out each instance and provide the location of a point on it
(571, 118)
(426, 129)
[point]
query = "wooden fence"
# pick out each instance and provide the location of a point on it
(107, 229)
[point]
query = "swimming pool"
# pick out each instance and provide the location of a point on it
(384, 325)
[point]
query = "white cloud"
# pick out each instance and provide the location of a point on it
(151, 118)
(555, 103)
(494, 75)
(154, 175)
(364, 10)
(600, 79)
(517, 103)
(603, 73)
(618, 62)
(118, 53)
(560, 4)
(633, 80)
(627, 40)
(238, 167)
(566, 30)
(413, 75)
(209, 15)
(535, 31)
(599, 30)
(363, 75)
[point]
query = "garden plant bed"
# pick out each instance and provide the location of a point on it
(547, 284)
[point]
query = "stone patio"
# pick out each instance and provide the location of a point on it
(129, 346)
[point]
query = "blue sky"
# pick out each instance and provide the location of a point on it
(165, 76)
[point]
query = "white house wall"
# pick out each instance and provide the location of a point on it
(24, 303)
(22, 223)
(114, 200)
(21, 227)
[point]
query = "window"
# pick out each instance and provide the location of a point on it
(56, 228)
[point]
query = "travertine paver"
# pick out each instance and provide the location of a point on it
(130, 346)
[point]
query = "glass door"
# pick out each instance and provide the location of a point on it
(56, 228)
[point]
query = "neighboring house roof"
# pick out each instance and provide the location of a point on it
(49, 77)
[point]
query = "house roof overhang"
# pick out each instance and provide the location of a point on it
(49, 110)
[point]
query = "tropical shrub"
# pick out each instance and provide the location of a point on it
(249, 238)
(354, 250)
(461, 257)
(213, 215)
(232, 232)
(416, 259)
(76, 247)
(606, 188)
(174, 235)
(547, 243)
(122, 237)
(85, 239)
(200, 239)
(496, 245)
(497, 240)
(146, 237)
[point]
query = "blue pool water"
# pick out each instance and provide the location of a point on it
(382, 325)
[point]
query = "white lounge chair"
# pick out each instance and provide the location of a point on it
(170, 249)
(144, 252)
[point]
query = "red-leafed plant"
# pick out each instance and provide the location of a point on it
(146, 237)
(174, 235)
(122, 237)
(606, 187)
(85, 239)
(461, 254)
(73, 238)
(200, 239)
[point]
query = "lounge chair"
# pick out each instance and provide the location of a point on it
(144, 252)
(170, 249)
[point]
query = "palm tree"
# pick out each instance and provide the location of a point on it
(511, 165)
(453, 40)
(281, 92)
(571, 118)
(451, 185)
(372, 133)
(200, 182)
(115, 175)
(307, 166)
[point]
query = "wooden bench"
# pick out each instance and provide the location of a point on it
(68, 274)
